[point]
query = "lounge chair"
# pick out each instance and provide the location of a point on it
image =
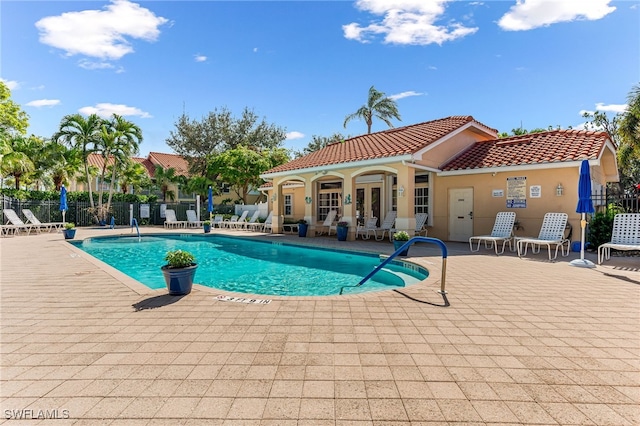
(225, 223)
(551, 235)
(502, 232)
(421, 225)
(254, 226)
(253, 219)
(625, 235)
(387, 226)
(327, 224)
(268, 223)
(370, 225)
(16, 224)
(240, 222)
(217, 221)
(171, 221)
(192, 219)
(49, 226)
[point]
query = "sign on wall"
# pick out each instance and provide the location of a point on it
(535, 191)
(144, 211)
(497, 193)
(517, 192)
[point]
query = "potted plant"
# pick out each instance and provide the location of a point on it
(206, 225)
(399, 239)
(342, 230)
(302, 228)
(179, 271)
(69, 231)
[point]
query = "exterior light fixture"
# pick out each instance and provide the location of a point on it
(559, 190)
(401, 191)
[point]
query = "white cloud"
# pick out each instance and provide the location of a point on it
(103, 34)
(11, 84)
(43, 103)
(92, 65)
(530, 14)
(294, 135)
(617, 108)
(255, 50)
(431, 67)
(105, 110)
(200, 58)
(405, 95)
(406, 22)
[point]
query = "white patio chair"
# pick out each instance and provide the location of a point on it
(625, 235)
(16, 224)
(253, 219)
(255, 226)
(551, 235)
(192, 219)
(226, 223)
(387, 226)
(327, 224)
(268, 223)
(370, 225)
(239, 222)
(49, 226)
(421, 225)
(171, 221)
(502, 232)
(217, 221)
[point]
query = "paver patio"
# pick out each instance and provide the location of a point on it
(524, 341)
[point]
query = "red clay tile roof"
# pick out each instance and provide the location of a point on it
(388, 143)
(535, 148)
(170, 160)
(151, 169)
(98, 161)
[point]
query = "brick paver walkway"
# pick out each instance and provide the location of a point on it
(524, 341)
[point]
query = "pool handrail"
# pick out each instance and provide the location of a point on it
(405, 246)
(134, 222)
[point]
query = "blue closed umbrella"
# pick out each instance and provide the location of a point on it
(63, 202)
(210, 205)
(585, 205)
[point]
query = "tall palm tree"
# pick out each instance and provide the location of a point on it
(163, 178)
(135, 175)
(18, 152)
(65, 163)
(83, 134)
(378, 106)
(630, 126)
(126, 143)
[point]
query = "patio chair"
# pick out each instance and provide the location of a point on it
(49, 226)
(370, 225)
(192, 219)
(255, 226)
(217, 221)
(253, 219)
(625, 235)
(327, 224)
(225, 223)
(239, 222)
(171, 221)
(387, 226)
(502, 232)
(421, 225)
(16, 224)
(551, 235)
(268, 223)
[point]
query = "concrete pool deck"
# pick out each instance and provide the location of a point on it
(523, 342)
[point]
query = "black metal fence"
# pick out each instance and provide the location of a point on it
(617, 202)
(78, 211)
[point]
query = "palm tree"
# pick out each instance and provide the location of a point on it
(630, 126)
(82, 134)
(65, 163)
(135, 175)
(18, 152)
(165, 177)
(126, 143)
(378, 106)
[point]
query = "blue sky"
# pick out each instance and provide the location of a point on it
(305, 65)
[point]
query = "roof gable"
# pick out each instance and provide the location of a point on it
(394, 142)
(166, 161)
(535, 148)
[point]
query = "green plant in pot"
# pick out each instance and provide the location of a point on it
(206, 225)
(399, 239)
(179, 271)
(302, 228)
(69, 231)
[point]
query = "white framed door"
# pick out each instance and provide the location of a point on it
(368, 201)
(460, 214)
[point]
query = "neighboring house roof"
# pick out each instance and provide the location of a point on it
(167, 161)
(555, 146)
(97, 160)
(405, 140)
(151, 168)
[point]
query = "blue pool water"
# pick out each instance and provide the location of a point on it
(249, 266)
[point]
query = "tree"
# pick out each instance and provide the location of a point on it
(218, 132)
(83, 135)
(65, 163)
(378, 106)
(319, 142)
(630, 129)
(163, 179)
(240, 167)
(12, 118)
(135, 175)
(17, 159)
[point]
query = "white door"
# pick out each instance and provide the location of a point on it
(460, 214)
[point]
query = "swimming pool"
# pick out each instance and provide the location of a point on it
(250, 266)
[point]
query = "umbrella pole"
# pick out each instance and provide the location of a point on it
(582, 262)
(63, 219)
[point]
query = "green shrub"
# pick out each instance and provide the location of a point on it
(600, 228)
(179, 259)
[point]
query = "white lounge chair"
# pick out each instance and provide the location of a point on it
(625, 235)
(551, 235)
(239, 222)
(217, 221)
(327, 224)
(421, 225)
(253, 219)
(255, 226)
(226, 223)
(268, 223)
(16, 224)
(370, 225)
(171, 221)
(502, 232)
(387, 226)
(192, 219)
(49, 226)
